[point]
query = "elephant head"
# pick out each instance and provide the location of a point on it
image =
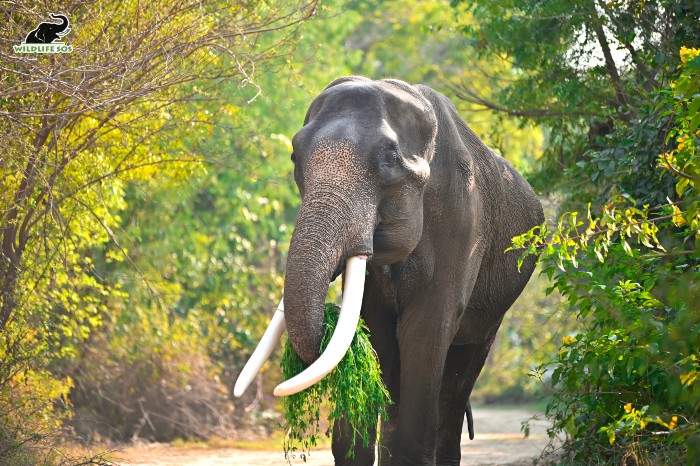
(361, 180)
(46, 33)
(361, 162)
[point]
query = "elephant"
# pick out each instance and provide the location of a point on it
(397, 189)
(46, 33)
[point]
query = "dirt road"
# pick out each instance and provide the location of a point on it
(498, 441)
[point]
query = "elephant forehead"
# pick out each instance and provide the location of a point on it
(374, 112)
(334, 161)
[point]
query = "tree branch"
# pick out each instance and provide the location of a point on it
(463, 93)
(622, 99)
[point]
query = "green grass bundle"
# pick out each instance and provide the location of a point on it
(353, 389)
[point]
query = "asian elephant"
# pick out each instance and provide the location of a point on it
(391, 178)
(46, 33)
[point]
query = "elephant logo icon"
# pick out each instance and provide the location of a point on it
(46, 37)
(46, 33)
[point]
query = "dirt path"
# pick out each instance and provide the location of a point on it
(498, 441)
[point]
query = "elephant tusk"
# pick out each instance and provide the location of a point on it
(344, 332)
(262, 352)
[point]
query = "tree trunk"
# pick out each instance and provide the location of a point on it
(9, 276)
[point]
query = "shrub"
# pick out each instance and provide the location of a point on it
(33, 402)
(154, 382)
(626, 386)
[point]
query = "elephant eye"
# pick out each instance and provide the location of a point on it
(392, 154)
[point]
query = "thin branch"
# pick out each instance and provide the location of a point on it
(114, 240)
(468, 95)
(622, 98)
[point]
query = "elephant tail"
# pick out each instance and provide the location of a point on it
(470, 421)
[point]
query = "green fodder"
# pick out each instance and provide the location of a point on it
(353, 390)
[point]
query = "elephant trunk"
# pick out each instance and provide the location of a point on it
(315, 256)
(338, 345)
(333, 235)
(343, 333)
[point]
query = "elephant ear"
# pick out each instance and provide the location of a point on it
(344, 79)
(446, 111)
(429, 113)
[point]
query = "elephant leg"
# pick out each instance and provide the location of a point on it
(389, 426)
(363, 456)
(382, 326)
(381, 322)
(423, 349)
(462, 367)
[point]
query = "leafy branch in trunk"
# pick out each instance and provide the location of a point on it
(354, 391)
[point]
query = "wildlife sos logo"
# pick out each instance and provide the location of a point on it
(46, 37)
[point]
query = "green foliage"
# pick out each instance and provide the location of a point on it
(353, 390)
(585, 71)
(620, 122)
(626, 384)
(682, 103)
(633, 356)
(83, 132)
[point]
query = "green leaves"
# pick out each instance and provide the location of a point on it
(621, 145)
(628, 381)
(684, 102)
(620, 221)
(353, 391)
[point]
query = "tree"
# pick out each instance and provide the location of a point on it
(619, 106)
(115, 79)
(78, 129)
(581, 69)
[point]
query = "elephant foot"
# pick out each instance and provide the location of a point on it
(363, 456)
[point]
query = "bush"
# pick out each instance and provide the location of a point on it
(153, 382)
(33, 402)
(626, 386)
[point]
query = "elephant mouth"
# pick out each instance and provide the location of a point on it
(341, 265)
(336, 273)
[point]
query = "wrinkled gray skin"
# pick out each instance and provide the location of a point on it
(390, 170)
(46, 33)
